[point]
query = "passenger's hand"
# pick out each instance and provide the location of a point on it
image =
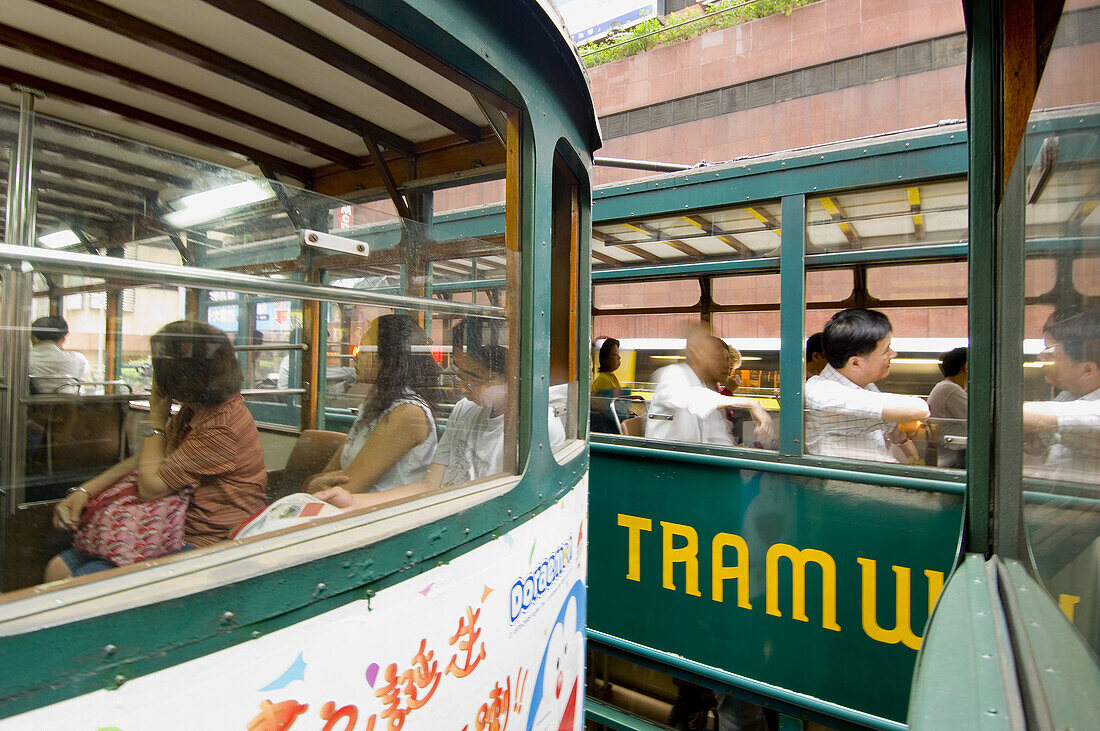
(66, 514)
(765, 428)
(337, 496)
(325, 480)
(160, 408)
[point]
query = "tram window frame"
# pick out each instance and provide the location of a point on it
(565, 349)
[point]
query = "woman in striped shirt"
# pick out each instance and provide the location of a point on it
(209, 448)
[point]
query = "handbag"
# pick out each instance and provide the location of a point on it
(118, 526)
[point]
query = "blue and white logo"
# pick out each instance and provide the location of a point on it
(527, 590)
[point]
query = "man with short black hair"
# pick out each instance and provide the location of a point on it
(846, 414)
(948, 403)
(1072, 419)
(815, 356)
(51, 369)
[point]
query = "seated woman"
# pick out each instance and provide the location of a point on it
(472, 446)
(606, 388)
(392, 441)
(210, 447)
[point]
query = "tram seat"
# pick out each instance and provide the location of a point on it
(78, 438)
(309, 456)
(633, 427)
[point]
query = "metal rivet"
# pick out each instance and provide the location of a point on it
(320, 587)
(228, 617)
(409, 554)
(119, 680)
(255, 634)
(110, 650)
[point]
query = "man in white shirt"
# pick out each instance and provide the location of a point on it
(1068, 425)
(51, 369)
(846, 414)
(948, 403)
(686, 405)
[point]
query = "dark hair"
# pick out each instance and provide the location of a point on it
(49, 328)
(605, 353)
(194, 363)
(813, 346)
(852, 332)
(1077, 330)
(476, 337)
(399, 368)
(952, 362)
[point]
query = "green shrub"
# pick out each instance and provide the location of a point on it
(636, 40)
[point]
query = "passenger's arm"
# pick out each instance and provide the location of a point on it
(345, 500)
(153, 449)
(66, 514)
(399, 431)
(765, 430)
(1040, 416)
(904, 408)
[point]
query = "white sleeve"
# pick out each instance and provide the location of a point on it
(1077, 414)
(446, 442)
(836, 398)
(674, 390)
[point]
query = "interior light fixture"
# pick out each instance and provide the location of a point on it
(59, 239)
(916, 361)
(211, 204)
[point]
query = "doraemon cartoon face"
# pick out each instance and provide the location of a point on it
(561, 707)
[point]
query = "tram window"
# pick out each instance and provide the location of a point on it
(1040, 276)
(1061, 458)
(732, 233)
(642, 294)
(565, 350)
(828, 285)
(913, 215)
(918, 281)
(746, 289)
(1086, 276)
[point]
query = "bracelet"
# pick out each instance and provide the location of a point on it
(79, 488)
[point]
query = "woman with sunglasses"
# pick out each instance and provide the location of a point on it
(209, 448)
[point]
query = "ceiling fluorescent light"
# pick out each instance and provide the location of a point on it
(59, 239)
(212, 204)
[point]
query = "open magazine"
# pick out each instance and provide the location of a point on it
(286, 512)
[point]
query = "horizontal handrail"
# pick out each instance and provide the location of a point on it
(668, 451)
(144, 272)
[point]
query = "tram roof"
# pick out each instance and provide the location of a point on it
(288, 87)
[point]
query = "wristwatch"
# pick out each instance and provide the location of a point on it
(151, 430)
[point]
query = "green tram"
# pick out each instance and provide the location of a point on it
(275, 170)
(803, 582)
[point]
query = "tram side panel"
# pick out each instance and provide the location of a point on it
(494, 637)
(821, 587)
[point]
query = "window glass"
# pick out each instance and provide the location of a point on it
(651, 293)
(1062, 338)
(746, 289)
(912, 215)
(327, 349)
(918, 281)
(828, 285)
(910, 357)
(731, 233)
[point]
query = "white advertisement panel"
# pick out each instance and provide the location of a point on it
(493, 641)
(589, 20)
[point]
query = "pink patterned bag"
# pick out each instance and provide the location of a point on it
(118, 526)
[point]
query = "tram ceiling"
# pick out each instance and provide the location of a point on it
(243, 83)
